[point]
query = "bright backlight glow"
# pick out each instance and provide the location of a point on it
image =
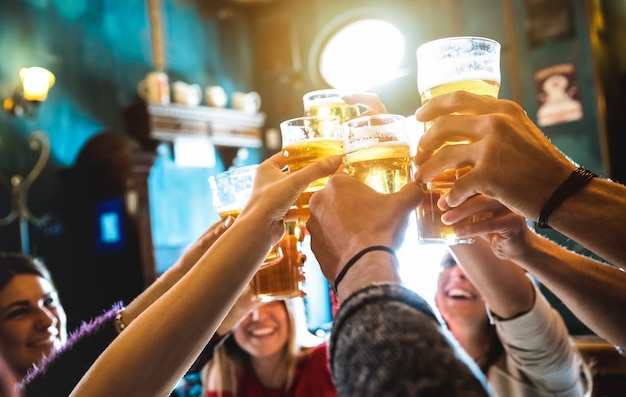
(362, 54)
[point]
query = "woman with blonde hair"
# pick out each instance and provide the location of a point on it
(270, 353)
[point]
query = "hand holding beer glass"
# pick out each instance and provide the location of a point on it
(377, 151)
(443, 66)
(231, 190)
(306, 140)
(280, 274)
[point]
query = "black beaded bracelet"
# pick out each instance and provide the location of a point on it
(358, 256)
(576, 181)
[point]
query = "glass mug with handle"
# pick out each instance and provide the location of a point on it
(231, 191)
(450, 64)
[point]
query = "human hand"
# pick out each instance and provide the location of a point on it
(275, 191)
(347, 216)
(202, 244)
(513, 162)
(506, 231)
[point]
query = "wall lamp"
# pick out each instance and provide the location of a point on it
(27, 97)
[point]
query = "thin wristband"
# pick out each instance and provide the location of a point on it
(358, 256)
(576, 181)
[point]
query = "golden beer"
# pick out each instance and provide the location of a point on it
(343, 110)
(226, 214)
(385, 166)
(307, 140)
(446, 65)
(301, 154)
(275, 253)
(481, 87)
(283, 279)
(329, 102)
(231, 191)
(430, 227)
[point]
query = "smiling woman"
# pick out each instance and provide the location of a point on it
(500, 318)
(270, 353)
(32, 320)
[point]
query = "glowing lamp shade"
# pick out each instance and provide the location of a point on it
(36, 82)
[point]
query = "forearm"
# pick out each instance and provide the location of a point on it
(386, 341)
(160, 286)
(592, 290)
(193, 309)
(595, 217)
(538, 344)
(502, 284)
(373, 267)
(171, 276)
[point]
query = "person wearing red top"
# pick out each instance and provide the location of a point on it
(270, 353)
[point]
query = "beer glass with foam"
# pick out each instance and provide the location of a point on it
(443, 66)
(231, 190)
(377, 151)
(306, 140)
(330, 102)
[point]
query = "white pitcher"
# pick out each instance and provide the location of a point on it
(155, 88)
(249, 102)
(187, 94)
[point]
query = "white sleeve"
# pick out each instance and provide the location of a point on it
(537, 343)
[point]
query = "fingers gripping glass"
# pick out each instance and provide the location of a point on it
(231, 192)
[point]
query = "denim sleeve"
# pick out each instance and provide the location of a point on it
(386, 341)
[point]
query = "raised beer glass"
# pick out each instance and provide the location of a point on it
(377, 151)
(306, 140)
(330, 102)
(285, 278)
(231, 190)
(443, 66)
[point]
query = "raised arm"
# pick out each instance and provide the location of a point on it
(171, 276)
(592, 290)
(513, 162)
(162, 342)
(385, 339)
(59, 373)
(503, 285)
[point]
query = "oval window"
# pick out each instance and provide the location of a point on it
(362, 54)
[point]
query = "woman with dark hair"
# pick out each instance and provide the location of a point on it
(498, 315)
(32, 320)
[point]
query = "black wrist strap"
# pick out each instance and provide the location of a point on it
(358, 256)
(576, 181)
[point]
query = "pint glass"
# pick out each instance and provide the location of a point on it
(446, 65)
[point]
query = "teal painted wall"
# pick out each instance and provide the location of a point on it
(99, 51)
